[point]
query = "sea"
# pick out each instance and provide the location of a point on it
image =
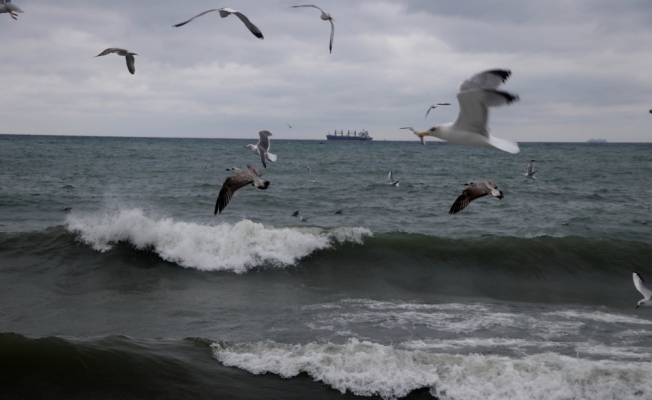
(117, 281)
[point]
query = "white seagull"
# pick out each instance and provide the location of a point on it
(475, 190)
(432, 107)
(530, 171)
(391, 180)
(262, 148)
(129, 56)
(423, 142)
(325, 17)
(242, 178)
(225, 12)
(11, 9)
(644, 289)
(475, 96)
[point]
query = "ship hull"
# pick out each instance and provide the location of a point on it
(349, 138)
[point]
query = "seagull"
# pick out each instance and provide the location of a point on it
(262, 148)
(122, 52)
(416, 133)
(475, 96)
(432, 107)
(530, 170)
(296, 213)
(391, 180)
(325, 17)
(309, 170)
(644, 289)
(474, 191)
(338, 211)
(302, 218)
(11, 9)
(289, 126)
(242, 178)
(225, 12)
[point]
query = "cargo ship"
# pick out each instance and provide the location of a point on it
(362, 135)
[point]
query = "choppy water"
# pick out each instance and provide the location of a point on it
(140, 292)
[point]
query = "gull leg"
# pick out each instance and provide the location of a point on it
(13, 16)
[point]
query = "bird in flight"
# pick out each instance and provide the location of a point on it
(326, 17)
(129, 56)
(421, 137)
(225, 12)
(644, 289)
(432, 107)
(242, 178)
(530, 171)
(262, 148)
(391, 180)
(475, 190)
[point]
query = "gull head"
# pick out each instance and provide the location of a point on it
(434, 131)
(641, 303)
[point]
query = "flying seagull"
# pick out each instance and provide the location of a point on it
(302, 218)
(242, 178)
(225, 12)
(325, 17)
(262, 148)
(644, 289)
(11, 9)
(432, 107)
(296, 213)
(391, 180)
(475, 96)
(416, 133)
(122, 52)
(530, 170)
(289, 126)
(474, 191)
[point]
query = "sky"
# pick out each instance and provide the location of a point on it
(582, 68)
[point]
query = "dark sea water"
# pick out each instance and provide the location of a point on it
(139, 291)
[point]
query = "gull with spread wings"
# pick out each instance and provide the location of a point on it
(250, 176)
(325, 17)
(530, 171)
(261, 149)
(644, 289)
(475, 190)
(225, 12)
(432, 107)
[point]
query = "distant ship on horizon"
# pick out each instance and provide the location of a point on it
(597, 141)
(362, 135)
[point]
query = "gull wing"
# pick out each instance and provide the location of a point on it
(428, 112)
(109, 51)
(491, 79)
(252, 28)
(530, 167)
(390, 177)
(474, 108)
(131, 63)
(641, 286)
(254, 170)
(330, 46)
(230, 186)
(197, 16)
(309, 5)
(264, 140)
(471, 193)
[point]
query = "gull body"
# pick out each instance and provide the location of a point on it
(644, 289)
(242, 178)
(296, 213)
(530, 171)
(225, 12)
(325, 17)
(475, 190)
(421, 137)
(261, 149)
(7, 7)
(391, 180)
(338, 211)
(475, 96)
(129, 57)
(432, 107)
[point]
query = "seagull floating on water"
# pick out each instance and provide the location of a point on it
(475, 190)
(391, 180)
(129, 56)
(296, 213)
(11, 9)
(261, 149)
(326, 17)
(338, 211)
(302, 218)
(225, 12)
(644, 289)
(432, 107)
(250, 176)
(530, 170)
(416, 133)
(475, 96)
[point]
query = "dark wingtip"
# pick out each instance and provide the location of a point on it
(503, 73)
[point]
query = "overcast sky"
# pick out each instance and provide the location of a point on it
(583, 69)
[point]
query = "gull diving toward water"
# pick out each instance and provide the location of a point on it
(530, 170)
(242, 178)
(644, 289)
(475, 96)
(416, 133)
(325, 17)
(432, 107)
(11, 9)
(475, 190)
(262, 148)
(391, 180)
(126, 54)
(225, 12)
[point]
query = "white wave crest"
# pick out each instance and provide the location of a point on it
(368, 369)
(236, 248)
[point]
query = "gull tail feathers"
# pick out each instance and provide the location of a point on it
(504, 145)
(271, 157)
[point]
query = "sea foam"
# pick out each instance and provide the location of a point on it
(236, 248)
(368, 369)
